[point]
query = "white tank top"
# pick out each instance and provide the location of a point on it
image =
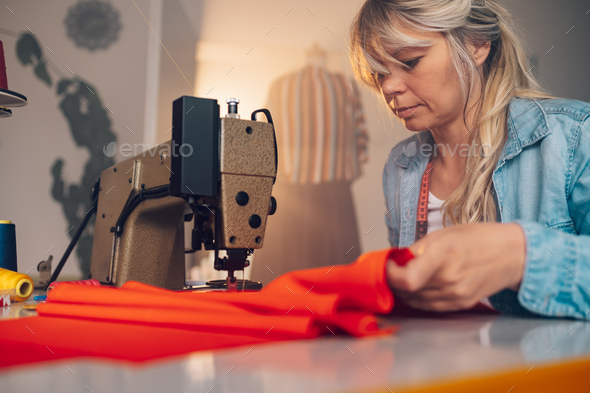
(435, 221)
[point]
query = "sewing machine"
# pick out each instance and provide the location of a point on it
(216, 172)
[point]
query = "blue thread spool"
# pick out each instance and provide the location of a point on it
(8, 245)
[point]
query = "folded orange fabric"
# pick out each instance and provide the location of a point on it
(93, 282)
(138, 322)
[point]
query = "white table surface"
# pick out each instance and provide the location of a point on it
(424, 350)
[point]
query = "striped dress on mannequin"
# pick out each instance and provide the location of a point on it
(322, 144)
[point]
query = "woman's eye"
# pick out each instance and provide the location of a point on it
(411, 63)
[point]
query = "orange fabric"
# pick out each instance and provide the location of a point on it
(92, 282)
(137, 322)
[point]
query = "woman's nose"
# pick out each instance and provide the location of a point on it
(392, 85)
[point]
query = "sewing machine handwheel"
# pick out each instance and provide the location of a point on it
(272, 207)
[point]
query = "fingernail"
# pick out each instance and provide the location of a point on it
(401, 256)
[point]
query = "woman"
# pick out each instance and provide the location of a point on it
(510, 162)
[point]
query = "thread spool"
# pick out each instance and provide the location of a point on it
(21, 284)
(4, 112)
(8, 246)
(8, 98)
(3, 77)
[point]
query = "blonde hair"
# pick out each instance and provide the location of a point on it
(503, 75)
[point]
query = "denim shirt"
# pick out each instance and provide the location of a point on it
(542, 183)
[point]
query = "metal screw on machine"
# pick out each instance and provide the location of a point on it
(232, 108)
(254, 221)
(242, 198)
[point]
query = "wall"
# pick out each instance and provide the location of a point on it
(557, 33)
(179, 37)
(36, 135)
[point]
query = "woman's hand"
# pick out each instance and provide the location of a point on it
(456, 267)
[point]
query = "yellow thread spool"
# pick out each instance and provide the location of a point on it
(21, 283)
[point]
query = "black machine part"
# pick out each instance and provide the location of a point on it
(202, 234)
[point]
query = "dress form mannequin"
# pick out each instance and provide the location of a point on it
(316, 56)
(315, 223)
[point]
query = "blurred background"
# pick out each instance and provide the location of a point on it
(97, 72)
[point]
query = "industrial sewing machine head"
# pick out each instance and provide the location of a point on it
(217, 172)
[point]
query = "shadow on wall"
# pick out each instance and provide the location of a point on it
(90, 128)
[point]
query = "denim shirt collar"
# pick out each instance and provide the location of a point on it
(410, 156)
(527, 124)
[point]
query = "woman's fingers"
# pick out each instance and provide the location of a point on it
(415, 275)
(455, 267)
(453, 295)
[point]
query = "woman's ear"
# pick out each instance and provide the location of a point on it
(480, 53)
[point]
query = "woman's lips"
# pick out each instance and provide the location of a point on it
(406, 111)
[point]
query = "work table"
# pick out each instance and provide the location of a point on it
(424, 351)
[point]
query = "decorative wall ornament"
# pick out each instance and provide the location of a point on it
(93, 24)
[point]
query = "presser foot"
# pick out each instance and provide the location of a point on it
(240, 285)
